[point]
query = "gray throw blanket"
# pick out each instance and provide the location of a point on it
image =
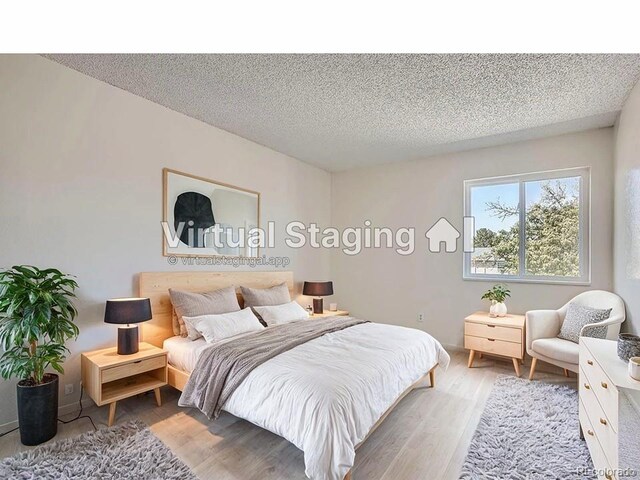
(222, 368)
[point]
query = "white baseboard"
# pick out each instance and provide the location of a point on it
(453, 348)
(62, 410)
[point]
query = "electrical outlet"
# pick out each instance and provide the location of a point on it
(420, 318)
(68, 389)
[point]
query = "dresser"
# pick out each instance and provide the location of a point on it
(501, 336)
(609, 409)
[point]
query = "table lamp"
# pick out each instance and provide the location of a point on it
(125, 311)
(317, 289)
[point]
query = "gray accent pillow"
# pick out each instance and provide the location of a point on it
(578, 316)
(265, 297)
(190, 304)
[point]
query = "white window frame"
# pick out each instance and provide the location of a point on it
(584, 232)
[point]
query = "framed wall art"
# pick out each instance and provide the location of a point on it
(203, 217)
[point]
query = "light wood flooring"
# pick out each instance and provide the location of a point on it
(425, 437)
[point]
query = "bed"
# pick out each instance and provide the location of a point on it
(325, 396)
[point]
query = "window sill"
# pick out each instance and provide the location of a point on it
(544, 281)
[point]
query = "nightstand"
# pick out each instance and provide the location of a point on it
(501, 336)
(329, 313)
(108, 377)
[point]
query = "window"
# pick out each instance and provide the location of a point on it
(546, 241)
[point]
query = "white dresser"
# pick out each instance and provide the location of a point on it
(609, 410)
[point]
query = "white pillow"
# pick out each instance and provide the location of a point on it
(218, 327)
(279, 314)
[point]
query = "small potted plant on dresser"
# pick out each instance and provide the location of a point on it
(36, 319)
(497, 294)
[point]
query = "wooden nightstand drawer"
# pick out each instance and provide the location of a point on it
(108, 377)
(329, 313)
(133, 368)
(493, 331)
(502, 336)
(498, 347)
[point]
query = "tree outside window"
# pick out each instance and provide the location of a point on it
(552, 245)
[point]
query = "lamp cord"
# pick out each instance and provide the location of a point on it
(78, 417)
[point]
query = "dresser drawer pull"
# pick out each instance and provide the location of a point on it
(603, 421)
(590, 362)
(604, 384)
(586, 385)
(491, 339)
(491, 326)
(137, 361)
(590, 432)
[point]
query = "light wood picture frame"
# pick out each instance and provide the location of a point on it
(192, 205)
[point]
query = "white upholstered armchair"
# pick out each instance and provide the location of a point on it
(543, 327)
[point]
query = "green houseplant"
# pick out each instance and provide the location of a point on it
(497, 294)
(36, 319)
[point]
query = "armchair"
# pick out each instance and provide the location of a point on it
(543, 327)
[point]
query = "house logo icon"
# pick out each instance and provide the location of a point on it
(442, 232)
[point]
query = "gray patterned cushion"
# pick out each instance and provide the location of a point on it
(578, 316)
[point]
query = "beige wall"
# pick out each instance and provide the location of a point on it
(383, 286)
(81, 188)
(627, 209)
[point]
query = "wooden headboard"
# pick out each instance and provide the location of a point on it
(155, 286)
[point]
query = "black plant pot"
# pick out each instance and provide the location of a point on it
(38, 410)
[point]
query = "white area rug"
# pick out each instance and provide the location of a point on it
(528, 431)
(127, 451)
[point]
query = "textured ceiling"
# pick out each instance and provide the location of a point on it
(345, 111)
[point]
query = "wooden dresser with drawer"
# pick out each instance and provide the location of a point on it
(501, 336)
(108, 377)
(609, 410)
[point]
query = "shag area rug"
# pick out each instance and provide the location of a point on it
(127, 451)
(528, 431)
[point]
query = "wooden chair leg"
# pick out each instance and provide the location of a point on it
(534, 362)
(432, 378)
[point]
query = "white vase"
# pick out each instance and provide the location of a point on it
(499, 309)
(634, 368)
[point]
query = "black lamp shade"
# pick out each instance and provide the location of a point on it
(127, 310)
(317, 289)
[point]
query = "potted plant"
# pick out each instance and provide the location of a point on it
(36, 319)
(497, 294)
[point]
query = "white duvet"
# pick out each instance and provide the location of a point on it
(325, 396)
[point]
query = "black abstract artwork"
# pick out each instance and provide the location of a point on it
(195, 212)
